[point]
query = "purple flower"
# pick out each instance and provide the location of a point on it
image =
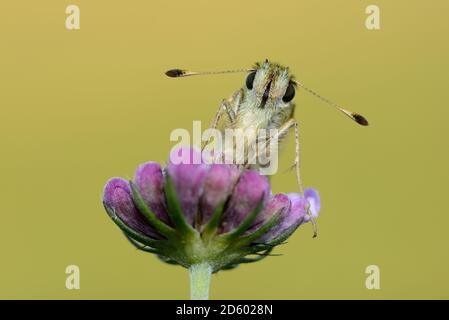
(117, 195)
(190, 211)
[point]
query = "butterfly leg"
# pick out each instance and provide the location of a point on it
(230, 106)
(283, 130)
(235, 102)
(227, 106)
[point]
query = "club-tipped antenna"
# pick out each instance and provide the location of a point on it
(178, 73)
(354, 116)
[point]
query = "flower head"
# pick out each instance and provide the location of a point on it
(192, 212)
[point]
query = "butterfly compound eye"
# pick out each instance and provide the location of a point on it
(250, 80)
(289, 93)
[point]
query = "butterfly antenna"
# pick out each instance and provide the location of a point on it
(354, 116)
(179, 73)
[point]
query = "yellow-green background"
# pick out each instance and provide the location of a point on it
(77, 107)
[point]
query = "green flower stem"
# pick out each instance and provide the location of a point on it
(200, 281)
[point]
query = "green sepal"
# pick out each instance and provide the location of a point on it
(155, 222)
(167, 260)
(284, 236)
(260, 256)
(211, 227)
(256, 248)
(247, 222)
(128, 230)
(174, 208)
(246, 240)
(241, 255)
(140, 246)
(230, 266)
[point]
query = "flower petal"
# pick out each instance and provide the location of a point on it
(313, 198)
(188, 178)
(276, 203)
(150, 183)
(219, 183)
(117, 196)
(247, 194)
(289, 220)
